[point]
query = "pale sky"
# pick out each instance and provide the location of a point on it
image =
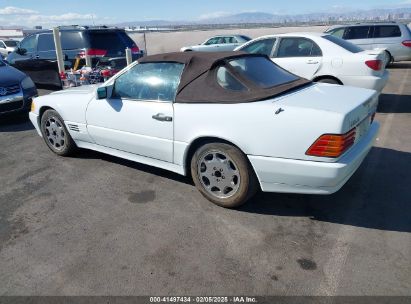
(52, 12)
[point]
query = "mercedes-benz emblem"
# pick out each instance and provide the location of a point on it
(3, 91)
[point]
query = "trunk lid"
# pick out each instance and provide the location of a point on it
(349, 107)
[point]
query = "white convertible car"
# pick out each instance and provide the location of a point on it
(323, 58)
(234, 122)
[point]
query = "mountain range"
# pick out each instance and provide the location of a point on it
(260, 17)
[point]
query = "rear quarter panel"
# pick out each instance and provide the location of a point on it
(254, 127)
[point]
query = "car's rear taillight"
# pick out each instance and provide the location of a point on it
(135, 50)
(407, 43)
(332, 145)
(376, 65)
(93, 53)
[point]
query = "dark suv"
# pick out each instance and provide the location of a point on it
(36, 54)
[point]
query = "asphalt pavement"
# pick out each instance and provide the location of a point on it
(93, 224)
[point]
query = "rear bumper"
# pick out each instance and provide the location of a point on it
(368, 82)
(310, 177)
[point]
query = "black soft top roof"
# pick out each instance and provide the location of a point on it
(199, 84)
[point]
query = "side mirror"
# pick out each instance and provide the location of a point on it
(102, 93)
(21, 51)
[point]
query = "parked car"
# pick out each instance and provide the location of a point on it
(234, 122)
(218, 44)
(7, 46)
(16, 90)
(394, 38)
(36, 55)
(323, 58)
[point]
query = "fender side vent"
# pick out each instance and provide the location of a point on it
(74, 128)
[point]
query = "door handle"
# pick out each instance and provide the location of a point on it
(162, 117)
(312, 61)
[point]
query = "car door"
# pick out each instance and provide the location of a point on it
(360, 35)
(229, 44)
(209, 46)
(138, 117)
(299, 55)
(388, 37)
(45, 60)
(263, 46)
(24, 58)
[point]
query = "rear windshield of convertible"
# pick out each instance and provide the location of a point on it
(260, 71)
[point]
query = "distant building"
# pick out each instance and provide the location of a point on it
(11, 33)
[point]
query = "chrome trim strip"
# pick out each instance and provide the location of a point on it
(11, 98)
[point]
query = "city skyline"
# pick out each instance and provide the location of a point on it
(20, 13)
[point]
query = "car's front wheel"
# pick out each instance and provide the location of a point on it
(55, 134)
(223, 174)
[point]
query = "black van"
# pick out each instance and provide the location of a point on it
(36, 55)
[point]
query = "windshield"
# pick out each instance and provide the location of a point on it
(11, 43)
(262, 71)
(348, 46)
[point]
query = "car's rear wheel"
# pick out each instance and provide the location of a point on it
(55, 134)
(328, 80)
(223, 174)
(390, 60)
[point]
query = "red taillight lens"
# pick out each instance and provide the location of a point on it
(376, 65)
(93, 53)
(96, 52)
(332, 145)
(63, 76)
(135, 50)
(407, 43)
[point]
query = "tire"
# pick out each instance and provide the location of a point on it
(390, 59)
(223, 175)
(55, 134)
(328, 80)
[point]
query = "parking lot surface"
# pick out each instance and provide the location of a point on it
(98, 225)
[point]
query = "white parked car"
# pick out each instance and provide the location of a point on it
(7, 46)
(220, 43)
(323, 58)
(235, 122)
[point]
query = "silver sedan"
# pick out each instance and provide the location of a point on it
(218, 43)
